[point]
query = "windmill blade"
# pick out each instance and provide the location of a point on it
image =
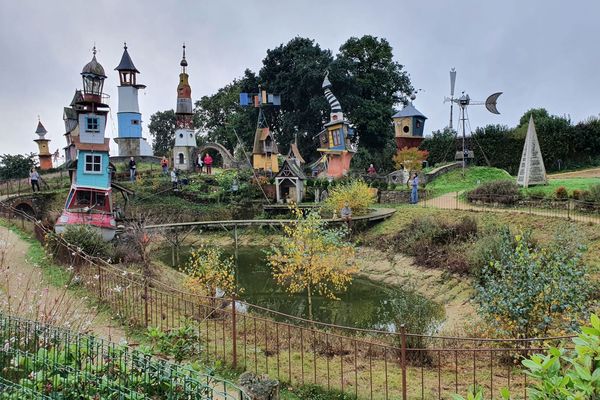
(490, 103)
(452, 81)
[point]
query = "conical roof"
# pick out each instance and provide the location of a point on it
(126, 63)
(41, 131)
(408, 111)
(93, 67)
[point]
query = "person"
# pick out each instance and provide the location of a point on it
(414, 194)
(132, 168)
(371, 170)
(174, 178)
(34, 178)
(200, 162)
(164, 163)
(208, 162)
(346, 214)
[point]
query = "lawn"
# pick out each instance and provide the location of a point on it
(454, 181)
(568, 183)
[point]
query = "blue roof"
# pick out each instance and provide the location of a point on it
(409, 111)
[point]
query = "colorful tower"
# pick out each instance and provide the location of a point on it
(335, 144)
(130, 139)
(409, 124)
(44, 153)
(185, 140)
(89, 201)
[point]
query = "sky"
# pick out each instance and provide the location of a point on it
(539, 53)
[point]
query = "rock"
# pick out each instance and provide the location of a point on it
(259, 387)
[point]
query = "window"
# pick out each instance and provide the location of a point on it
(92, 124)
(181, 159)
(406, 129)
(336, 136)
(135, 122)
(93, 164)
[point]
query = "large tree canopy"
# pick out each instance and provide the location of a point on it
(17, 165)
(162, 130)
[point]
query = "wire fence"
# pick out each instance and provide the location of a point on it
(569, 209)
(372, 364)
(40, 360)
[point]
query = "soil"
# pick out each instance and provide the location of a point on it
(25, 283)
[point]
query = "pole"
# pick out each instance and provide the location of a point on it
(403, 359)
(234, 333)
(462, 108)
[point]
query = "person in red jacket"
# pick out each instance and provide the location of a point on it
(208, 163)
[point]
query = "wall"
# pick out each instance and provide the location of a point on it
(396, 196)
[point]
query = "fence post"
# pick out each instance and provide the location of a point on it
(234, 333)
(569, 209)
(99, 281)
(403, 359)
(456, 202)
(146, 303)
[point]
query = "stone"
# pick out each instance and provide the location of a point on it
(259, 387)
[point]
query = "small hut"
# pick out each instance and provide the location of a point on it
(289, 182)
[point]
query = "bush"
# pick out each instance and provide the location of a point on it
(356, 193)
(504, 192)
(577, 194)
(593, 195)
(561, 193)
(85, 238)
(315, 392)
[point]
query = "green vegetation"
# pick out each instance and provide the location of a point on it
(571, 372)
(314, 392)
(570, 184)
(454, 181)
(84, 237)
(357, 194)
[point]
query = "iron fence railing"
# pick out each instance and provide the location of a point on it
(374, 364)
(41, 361)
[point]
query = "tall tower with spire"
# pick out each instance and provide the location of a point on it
(335, 139)
(185, 139)
(130, 139)
(44, 153)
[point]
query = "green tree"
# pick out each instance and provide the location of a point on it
(162, 130)
(530, 289)
(441, 146)
(371, 84)
(295, 70)
(17, 165)
(223, 119)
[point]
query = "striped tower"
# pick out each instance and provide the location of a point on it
(185, 140)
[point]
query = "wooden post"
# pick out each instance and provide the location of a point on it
(403, 359)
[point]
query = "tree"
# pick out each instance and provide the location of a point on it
(411, 159)
(370, 84)
(312, 259)
(16, 166)
(223, 119)
(162, 130)
(295, 70)
(529, 289)
(441, 146)
(357, 194)
(208, 270)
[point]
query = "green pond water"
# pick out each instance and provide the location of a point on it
(366, 304)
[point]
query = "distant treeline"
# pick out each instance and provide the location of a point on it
(563, 145)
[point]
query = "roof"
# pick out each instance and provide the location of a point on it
(77, 98)
(126, 64)
(293, 168)
(40, 129)
(409, 111)
(296, 153)
(260, 135)
(70, 113)
(93, 67)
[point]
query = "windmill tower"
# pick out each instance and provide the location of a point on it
(464, 101)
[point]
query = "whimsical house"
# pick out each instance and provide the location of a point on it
(43, 151)
(289, 182)
(264, 150)
(130, 140)
(71, 121)
(335, 140)
(409, 124)
(89, 201)
(185, 140)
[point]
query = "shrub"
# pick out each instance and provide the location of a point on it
(87, 239)
(315, 392)
(208, 271)
(529, 290)
(503, 191)
(593, 195)
(356, 193)
(561, 193)
(577, 194)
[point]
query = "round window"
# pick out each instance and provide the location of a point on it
(181, 135)
(406, 129)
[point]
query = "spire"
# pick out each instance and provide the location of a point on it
(126, 63)
(183, 62)
(334, 104)
(40, 131)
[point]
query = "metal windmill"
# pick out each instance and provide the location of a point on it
(464, 101)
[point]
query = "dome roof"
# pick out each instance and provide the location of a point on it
(93, 67)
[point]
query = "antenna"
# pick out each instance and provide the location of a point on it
(464, 101)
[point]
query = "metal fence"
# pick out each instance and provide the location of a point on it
(373, 364)
(569, 209)
(42, 361)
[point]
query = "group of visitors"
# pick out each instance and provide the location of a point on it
(205, 162)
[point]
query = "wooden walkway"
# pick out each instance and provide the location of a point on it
(378, 214)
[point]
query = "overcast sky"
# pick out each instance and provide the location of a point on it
(539, 53)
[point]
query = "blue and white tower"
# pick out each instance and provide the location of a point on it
(130, 140)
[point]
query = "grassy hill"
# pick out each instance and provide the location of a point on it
(454, 181)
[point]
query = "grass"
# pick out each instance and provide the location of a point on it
(570, 184)
(454, 181)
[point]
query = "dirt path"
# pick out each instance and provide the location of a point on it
(449, 290)
(25, 293)
(585, 173)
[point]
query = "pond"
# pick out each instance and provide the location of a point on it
(366, 304)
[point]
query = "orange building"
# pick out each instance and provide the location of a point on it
(44, 153)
